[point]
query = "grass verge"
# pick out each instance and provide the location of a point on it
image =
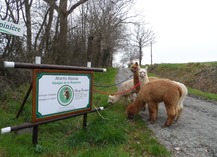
(203, 95)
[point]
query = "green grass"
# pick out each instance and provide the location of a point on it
(108, 134)
(204, 95)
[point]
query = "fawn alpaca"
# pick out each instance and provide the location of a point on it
(152, 93)
(181, 100)
(135, 69)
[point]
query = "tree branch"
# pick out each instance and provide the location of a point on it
(50, 2)
(75, 6)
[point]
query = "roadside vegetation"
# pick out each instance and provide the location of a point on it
(200, 78)
(108, 132)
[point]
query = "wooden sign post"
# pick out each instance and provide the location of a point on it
(58, 92)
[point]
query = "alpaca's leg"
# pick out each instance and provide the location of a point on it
(180, 108)
(152, 111)
(134, 96)
(125, 100)
(156, 110)
(131, 98)
(179, 113)
(171, 114)
(144, 108)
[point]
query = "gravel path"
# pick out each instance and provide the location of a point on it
(194, 135)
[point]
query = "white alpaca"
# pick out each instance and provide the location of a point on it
(143, 76)
(125, 86)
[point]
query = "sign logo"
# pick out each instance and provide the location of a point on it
(65, 95)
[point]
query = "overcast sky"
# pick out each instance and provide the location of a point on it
(185, 30)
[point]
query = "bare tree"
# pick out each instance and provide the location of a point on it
(60, 35)
(61, 42)
(106, 21)
(142, 37)
(131, 53)
(12, 47)
(44, 35)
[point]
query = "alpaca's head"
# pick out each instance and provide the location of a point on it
(66, 93)
(111, 99)
(130, 111)
(143, 72)
(133, 109)
(135, 67)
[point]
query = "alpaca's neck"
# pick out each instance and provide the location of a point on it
(136, 80)
(137, 105)
(143, 81)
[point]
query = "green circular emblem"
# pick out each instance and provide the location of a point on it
(65, 95)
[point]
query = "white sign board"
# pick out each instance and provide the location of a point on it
(60, 92)
(11, 28)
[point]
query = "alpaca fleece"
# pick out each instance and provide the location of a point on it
(123, 87)
(154, 92)
(143, 77)
(181, 100)
(135, 69)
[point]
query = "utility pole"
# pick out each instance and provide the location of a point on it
(151, 53)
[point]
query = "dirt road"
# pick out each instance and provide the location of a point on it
(194, 135)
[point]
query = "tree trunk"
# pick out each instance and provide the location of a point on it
(28, 27)
(90, 49)
(46, 37)
(98, 55)
(62, 55)
(140, 53)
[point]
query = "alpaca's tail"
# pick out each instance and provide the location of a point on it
(180, 91)
(184, 93)
(181, 99)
